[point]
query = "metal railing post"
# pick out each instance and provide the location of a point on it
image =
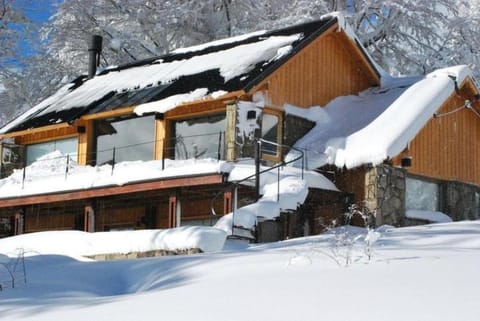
(258, 146)
(304, 160)
(278, 184)
(23, 176)
(219, 145)
(66, 167)
(113, 159)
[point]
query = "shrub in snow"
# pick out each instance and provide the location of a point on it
(347, 237)
(12, 270)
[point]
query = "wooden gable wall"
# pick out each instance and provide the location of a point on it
(330, 66)
(448, 146)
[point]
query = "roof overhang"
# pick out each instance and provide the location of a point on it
(207, 104)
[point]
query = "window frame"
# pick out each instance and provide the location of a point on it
(52, 140)
(427, 181)
(169, 146)
(121, 118)
(279, 114)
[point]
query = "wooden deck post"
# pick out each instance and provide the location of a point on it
(18, 223)
(85, 143)
(231, 130)
(160, 135)
(227, 202)
(174, 211)
(89, 214)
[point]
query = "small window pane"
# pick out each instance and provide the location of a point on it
(270, 133)
(68, 147)
(65, 146)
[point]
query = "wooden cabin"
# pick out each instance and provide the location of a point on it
(190, 104)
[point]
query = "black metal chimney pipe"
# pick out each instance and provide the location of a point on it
(94, 50)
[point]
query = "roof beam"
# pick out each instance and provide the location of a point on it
(207, 179)
(34, 130)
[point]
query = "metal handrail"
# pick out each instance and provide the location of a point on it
(276, 166)
(217, 154)
(282, 163)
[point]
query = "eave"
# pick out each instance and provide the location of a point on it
(34, 130)
(199, 106)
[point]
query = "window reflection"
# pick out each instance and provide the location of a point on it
(65, 146)
(270, 132)
(422, 195)
(133, 139)
(200, 137)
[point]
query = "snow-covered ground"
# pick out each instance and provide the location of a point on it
(416, 274)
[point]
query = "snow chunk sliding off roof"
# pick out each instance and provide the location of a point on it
(378, 123)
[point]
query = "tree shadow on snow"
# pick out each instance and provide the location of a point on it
(55, 281)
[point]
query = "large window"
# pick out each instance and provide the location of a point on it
(200, 137)
(65, 146)
(131, 138)
(422, 195)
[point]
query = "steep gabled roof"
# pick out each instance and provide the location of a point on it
(379, 123)
(215, 68)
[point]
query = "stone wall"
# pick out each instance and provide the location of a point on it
(382, 189)
(390, 195)
(139, 255)
(461, 201)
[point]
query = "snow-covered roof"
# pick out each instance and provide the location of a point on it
(378, 123)
(211, 69)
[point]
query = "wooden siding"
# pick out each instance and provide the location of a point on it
(109, 114)
(351, 181)
(47, 135)
(448, 147)
(53, 217)
(119, 218)
(196, 110)
(330, 66)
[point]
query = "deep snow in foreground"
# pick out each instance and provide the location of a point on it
(79, 243)
(419, 273)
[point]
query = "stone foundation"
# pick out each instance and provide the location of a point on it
(390, 195)
(139, 255)
(461, 201)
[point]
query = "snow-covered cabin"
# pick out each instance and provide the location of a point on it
(162, 142)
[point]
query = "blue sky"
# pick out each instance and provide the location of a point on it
(39, 11)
